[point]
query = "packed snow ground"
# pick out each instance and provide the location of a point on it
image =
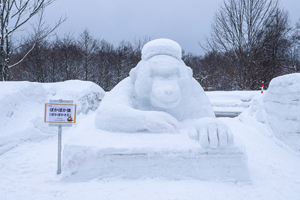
(28, 167)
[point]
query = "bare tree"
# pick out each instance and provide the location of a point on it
(275, 44)
(89, 47)
(294, 52)
(14, 14)
(68, 56)
(238, 28)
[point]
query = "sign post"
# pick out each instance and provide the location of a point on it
(60, 113)
(59, 150)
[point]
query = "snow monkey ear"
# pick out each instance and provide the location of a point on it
(190, 71)
(133, 74)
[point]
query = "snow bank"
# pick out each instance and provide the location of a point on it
(279, 107)
(22, 108)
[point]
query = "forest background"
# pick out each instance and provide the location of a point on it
(251, 41)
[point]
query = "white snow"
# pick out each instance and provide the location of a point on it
(233, 101)
(101, 154)
(28, 169)
(22, 108)
(87, 95)
(279, 109)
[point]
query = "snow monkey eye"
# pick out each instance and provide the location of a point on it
(165, 76)
(163, 66)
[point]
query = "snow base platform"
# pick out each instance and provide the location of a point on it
(102, 155)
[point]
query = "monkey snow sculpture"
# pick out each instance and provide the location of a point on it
(159, 93)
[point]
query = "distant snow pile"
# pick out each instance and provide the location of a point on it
(22, 107)
(280, 109)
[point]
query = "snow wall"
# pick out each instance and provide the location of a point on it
(231, 100)
(279, 107)
(22, 107)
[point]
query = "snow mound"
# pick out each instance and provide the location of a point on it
(19, 105)
(87, 95)
(22, 108)
(279, 107)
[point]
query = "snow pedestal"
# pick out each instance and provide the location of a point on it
(171, 156)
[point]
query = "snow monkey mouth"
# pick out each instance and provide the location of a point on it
(165, 94)
(165, 103)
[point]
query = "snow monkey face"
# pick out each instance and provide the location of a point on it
(162, 80)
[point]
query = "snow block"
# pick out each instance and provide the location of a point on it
(132, 156)
(279, 109)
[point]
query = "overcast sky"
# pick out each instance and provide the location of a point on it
(185, 21)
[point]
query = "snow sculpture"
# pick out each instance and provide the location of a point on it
(159, 93)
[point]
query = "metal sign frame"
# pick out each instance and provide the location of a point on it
(60, 124)
(64, 105)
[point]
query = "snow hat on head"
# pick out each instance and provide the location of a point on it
(161, 47)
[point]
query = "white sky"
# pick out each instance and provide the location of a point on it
(185, 21)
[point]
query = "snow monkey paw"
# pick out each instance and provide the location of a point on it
(157, 121)
(211, 133)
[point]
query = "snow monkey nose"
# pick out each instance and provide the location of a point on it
(165, 94)
(168, 92)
